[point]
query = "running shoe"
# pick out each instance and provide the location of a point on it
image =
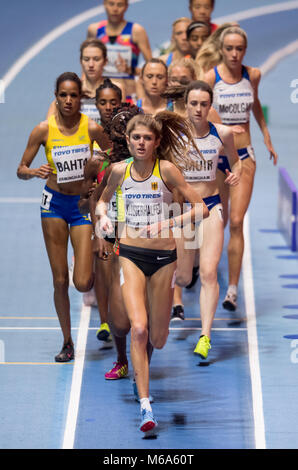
(230, 302)
(203, 346)
(148, 422)
(66, 354)
(195, 277)
(119, 371)
(177, 313)
(104, 333)
(136, 394)
(89, 298)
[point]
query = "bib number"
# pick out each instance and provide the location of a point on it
(117, 54)
(70, 162)
(46, 198)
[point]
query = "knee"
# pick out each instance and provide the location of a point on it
(236, 224)
(118, 321)
(139, 333)
(183, 278)
(83, 284)
(61, 282)
(159, 339)
(121, 331)
(208, 276)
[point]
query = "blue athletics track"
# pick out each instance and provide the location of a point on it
(246, 395)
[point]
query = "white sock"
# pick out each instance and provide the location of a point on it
(145, 404)
(232, 289)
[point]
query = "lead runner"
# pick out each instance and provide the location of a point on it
(147, 250)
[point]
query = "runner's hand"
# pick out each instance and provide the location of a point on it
(101, 247)
(232, 179)
(44, 171)
(153, 230)
(104, 227)
(237, 129)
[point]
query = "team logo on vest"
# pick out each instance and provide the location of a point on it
(154, 186)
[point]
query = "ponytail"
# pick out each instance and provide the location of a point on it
(175, 136)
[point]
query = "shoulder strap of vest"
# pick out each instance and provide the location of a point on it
(127, 170)
(127, 28)
(217, 76)
(156, 171)
(213, 130)
(169, 59)
(245, 73)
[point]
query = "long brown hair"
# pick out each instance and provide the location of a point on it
(175, 136)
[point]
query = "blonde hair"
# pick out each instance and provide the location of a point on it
(232, 30)
(188, 63)
(210, 53)
(174, 132)
(183, 19)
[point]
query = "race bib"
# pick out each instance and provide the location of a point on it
(70, 162)
(89, 108)
(251, 152)
(219, 209)
(112, 209)
(143, 208)
(116, 54)
(46, 198)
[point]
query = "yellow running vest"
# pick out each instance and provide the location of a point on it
(68, 155)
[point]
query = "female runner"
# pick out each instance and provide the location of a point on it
(201, 175)
(93, 57)
(197, 33)
(68, 138)
(125, 41)
(147, 251)
(107, 268)
(154, 79)
(235, 96)
(108, 98)
(181, 73)
(179, 47)
(201, 10)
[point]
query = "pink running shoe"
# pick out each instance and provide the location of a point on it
(119, 371)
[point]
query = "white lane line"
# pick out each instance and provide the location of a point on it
(249, 295)
(213, 329)
(18, 66)
(38, 328)
(77, 375)
(20, 200)
(259, 11)
(277, 56)
(254, 361)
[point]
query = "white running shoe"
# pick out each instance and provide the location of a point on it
(89, 298)
(230, 302)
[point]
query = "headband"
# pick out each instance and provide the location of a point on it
(195, 25)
